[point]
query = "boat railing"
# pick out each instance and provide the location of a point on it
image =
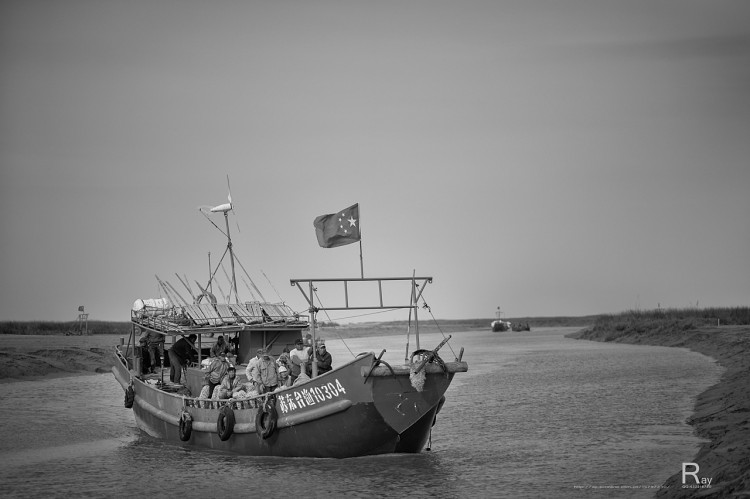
(235, 403)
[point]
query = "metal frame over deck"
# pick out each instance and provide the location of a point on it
(417, 287)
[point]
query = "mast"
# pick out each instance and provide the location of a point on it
(313, 316)
(416, 307)
(226, 208)
(231, 257)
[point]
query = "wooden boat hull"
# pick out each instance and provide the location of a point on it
(354, 410)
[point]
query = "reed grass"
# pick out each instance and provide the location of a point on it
(611, 326)
(62, 328)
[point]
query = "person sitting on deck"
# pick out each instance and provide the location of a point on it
(265, 373)
(221, 348)
(231, 386)
(284, 379)
(215, 373)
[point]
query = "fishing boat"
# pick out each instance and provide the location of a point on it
(499, 326)
(364, 406)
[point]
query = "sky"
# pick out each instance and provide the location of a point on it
(539, 158)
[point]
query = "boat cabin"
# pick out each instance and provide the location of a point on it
(245, 326)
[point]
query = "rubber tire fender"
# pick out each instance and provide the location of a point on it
(225, 423)
(266, 419)
(186, 426)
(129, 397)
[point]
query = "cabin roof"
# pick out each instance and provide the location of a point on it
(205, 318)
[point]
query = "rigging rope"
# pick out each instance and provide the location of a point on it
(250, 278)
(229, 279)
(274, 287)
(212, 222)
(436, 323)
(315, 292)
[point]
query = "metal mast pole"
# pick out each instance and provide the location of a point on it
(361, 262)
(416, 307)
(312, 329)
(231, 258)
(210, 281)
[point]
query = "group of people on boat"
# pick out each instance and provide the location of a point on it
(263, 373)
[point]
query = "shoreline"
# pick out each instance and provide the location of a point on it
(54, 356)
(721, 413)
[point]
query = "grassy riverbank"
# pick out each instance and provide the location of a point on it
(722, 413)
(352, 330)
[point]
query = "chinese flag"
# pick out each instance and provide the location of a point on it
(338, 229)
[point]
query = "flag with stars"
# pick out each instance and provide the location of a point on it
(338, 229)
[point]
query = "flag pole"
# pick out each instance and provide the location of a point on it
(361, 263)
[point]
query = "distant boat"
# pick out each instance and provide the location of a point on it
(362, 407)
(519, 326)
(500, 325)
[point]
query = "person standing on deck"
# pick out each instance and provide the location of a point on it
(324, 359)
(298, 357)
(180, 355)
(252, 364)
(266, 374)
(154, 343)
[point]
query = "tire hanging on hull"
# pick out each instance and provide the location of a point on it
(265, 420)
(225, 423)
(186, 426)
(129, 397)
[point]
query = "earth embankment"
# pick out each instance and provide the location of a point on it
(722, 412)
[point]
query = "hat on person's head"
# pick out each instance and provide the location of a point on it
(231, 368)
(283, 369)
(299, 342)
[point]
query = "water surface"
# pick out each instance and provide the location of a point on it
(537, 415)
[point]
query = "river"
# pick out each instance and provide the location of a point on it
(537, 415)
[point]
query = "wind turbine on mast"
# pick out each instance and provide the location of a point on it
(226, 208)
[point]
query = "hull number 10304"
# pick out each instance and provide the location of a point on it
(306, 397)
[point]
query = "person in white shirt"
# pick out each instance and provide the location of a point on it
(299, 357)
(252, 365)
